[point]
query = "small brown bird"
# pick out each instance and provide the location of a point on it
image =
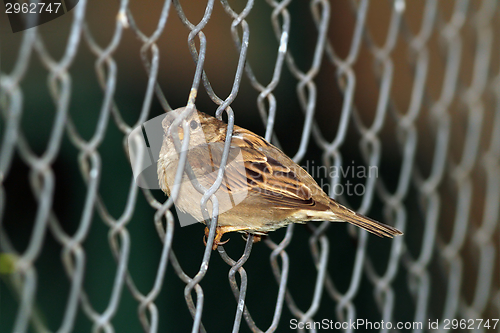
(263, 189)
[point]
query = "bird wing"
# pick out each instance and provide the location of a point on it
(249, 168)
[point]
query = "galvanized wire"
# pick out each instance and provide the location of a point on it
(450, 183)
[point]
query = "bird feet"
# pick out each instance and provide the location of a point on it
(219, 232)
(256, 238)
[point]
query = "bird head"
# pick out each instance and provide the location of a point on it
(202, 128)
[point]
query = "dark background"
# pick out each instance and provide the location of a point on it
(176, 74)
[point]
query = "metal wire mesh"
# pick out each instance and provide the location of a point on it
(412, 88)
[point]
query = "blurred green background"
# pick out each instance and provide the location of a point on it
(176, 74)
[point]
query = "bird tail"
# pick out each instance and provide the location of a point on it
(364, 222)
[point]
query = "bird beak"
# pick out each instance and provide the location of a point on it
(167, 124)
(169, 118)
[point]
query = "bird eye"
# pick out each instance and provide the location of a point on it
(193, 124)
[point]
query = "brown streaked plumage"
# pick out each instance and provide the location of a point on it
(263, 189)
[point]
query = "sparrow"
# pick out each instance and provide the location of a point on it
(262, 189)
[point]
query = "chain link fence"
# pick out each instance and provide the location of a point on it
(410, 88)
